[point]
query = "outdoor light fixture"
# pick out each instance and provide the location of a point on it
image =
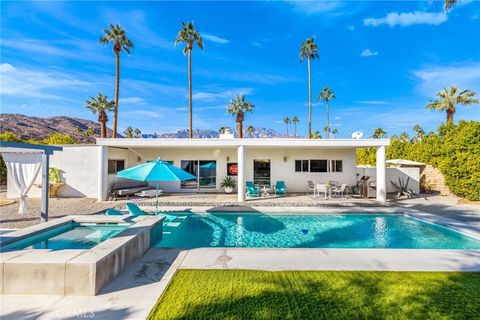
(285, 159)
(228, 158)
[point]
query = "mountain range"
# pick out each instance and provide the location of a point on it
(27, 127)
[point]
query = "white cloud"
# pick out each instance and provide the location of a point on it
(315, 7)
(372, 102)
(38, 84)
(132, 101)
(256, 44)
(368, 53)
(407, 19)
(351, 28)
(223, 95)
(214, 38)
(433, 79)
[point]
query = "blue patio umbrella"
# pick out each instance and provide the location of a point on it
(157, 171)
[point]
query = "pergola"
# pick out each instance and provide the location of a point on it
(45, 151)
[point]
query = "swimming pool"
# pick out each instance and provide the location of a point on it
(69, 236)
(254, 230)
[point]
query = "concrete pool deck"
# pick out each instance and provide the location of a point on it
(135, 291)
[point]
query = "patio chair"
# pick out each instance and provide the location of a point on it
(251, 189)
(114, 212)
(321, 188)
(280, 188)
(134, 210)
(310, 187)
(340, 191)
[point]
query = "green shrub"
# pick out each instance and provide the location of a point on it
(453, 149)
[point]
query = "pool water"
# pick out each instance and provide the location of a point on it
(70, 236)
(253, 230)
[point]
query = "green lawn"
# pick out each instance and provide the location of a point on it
(242, 294)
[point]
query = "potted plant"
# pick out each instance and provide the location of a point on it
(228, 183)
(55, 182)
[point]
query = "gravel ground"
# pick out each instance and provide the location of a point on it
(11, 219)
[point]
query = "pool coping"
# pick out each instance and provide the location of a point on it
(82, 271)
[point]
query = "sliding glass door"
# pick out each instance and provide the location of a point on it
(261, 172)
(204, 170)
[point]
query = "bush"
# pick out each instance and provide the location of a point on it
(454, 150)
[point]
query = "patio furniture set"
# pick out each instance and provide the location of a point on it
(253, 190)
(330, 190)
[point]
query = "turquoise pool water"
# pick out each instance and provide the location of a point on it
(70, 236)
(310, 231)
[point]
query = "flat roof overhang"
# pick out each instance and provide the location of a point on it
(230, 143)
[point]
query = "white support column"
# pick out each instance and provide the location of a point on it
(381, 175)
(45, 187)
(241, 174)
(102, 173)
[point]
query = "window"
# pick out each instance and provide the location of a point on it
(115, 165)
(318, 166)
(336, 166)
(301, 165)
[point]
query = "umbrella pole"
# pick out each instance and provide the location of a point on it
(156, 211)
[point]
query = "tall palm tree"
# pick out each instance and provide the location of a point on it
(117, 36)
(309, 51)
(100, 104)
(189, 36)
(295, 120)
(237, 107)
(250, 130)
(287, 121)
(449, 98)
(379, 133)
(327, 95)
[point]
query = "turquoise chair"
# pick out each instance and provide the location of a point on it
(114, 212)
(134, 210)
(251, 189)
(280, 188)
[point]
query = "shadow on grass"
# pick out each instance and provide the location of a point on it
(239, 294)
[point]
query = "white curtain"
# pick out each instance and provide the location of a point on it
(23, 169)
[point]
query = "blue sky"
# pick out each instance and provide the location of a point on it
(383, 60)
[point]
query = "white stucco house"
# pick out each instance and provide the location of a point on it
(90, 170)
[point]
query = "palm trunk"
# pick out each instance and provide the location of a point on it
(450, 116)
(117, 91)
(328, 122)
(295, 134)
(287, 130)
(309, 100)
(240, 129)
(104, 129)
(190, 125)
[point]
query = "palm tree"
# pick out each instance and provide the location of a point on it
(335, 132)
(128, 132)
(315, 135)
(309, 50)
(189, 36)
(287, 121)
(237, 107)
(117, 36)
(449, 98)
(101, 105)
(379, 133)
(449, 4)
(250, 130)
(327, 95)
(295, 120)
(137, 132)
(420, 132)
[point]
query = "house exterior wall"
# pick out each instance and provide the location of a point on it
(281, 169)
(393, 174)
(79, 172)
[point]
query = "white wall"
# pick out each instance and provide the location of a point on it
(393, 173)
(79, 172)
(280, 169)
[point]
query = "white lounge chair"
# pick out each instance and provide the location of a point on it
(340, 191)
(310, 187)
